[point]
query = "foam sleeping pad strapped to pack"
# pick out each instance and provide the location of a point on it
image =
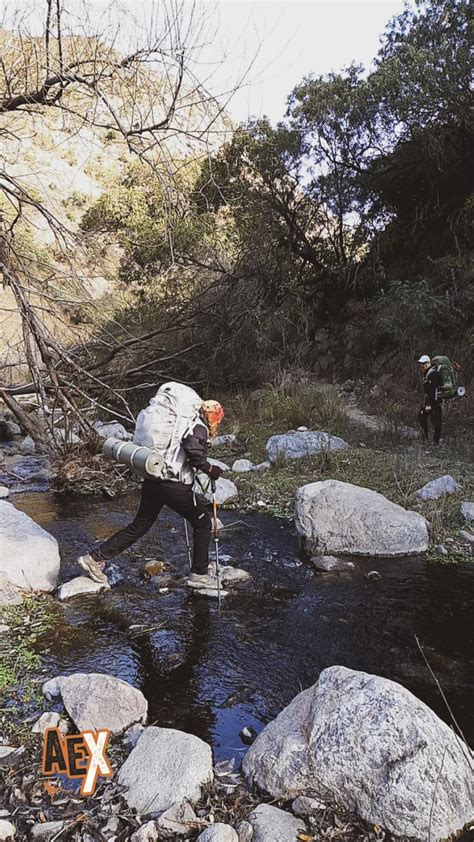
(142, 460)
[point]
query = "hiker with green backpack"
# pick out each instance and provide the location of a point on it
(175, 427)
(439, 380)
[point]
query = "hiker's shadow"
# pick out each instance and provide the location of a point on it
(171, 659)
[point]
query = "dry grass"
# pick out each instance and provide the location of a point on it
(85, 471)
(286, 407)
(383, 460)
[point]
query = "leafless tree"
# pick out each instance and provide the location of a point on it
(75, 67)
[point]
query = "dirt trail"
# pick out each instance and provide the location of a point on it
(370, 422)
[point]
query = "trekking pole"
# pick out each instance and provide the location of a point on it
(188, 545)
(216, 543)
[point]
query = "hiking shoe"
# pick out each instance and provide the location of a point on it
(93, 568)
(206, 581)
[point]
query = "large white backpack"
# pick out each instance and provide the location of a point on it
(170, 416)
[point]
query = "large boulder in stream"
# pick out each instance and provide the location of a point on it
(296, 445)
(97, 700)
(30, 555)
(345, 519)
(166, 767)
(368, 744)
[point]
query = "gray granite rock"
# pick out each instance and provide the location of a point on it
(177, 822)
(148, 832)
(352, 727)
(242, 466)
(30, 555)
(46, 720)
(133, 734)
(222, 465)
(262, 466)
(52, 687)
(28, 446)
(9, 594)
(97, 700)
(79, 586)
(229, 574)
(218, 832)
(166, 767)
(297, 445)
(114, 429)
(437, 488)
(344, 519)
(306, 806)
(270, 824)
(8, 428)
(7, 830)
(467, 510)
(331, 564)
(46, 830)
(212, 593)
(11, 756)
(226, 490)
(223, 441)
(244, 831)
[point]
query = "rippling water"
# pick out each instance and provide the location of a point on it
(212, 674)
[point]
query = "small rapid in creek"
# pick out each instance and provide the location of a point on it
(212, 674)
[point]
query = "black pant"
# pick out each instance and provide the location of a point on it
(436, 421)
(155, 495)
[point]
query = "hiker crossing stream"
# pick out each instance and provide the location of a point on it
(214, 674)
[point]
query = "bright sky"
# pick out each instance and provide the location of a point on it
(286, 41)
(271, 44)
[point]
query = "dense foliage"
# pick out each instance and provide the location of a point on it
(340, 234)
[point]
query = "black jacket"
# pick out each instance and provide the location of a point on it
(432, 385)
(196, 445)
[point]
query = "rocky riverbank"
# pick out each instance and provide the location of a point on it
(351, 745)
(266, 465)
(354, 756)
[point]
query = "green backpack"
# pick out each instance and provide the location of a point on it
(448, 375)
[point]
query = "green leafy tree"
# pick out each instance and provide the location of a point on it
(424, 68)
(366, 182)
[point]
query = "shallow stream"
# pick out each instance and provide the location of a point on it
(212, 674)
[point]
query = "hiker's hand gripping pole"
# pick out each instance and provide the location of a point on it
(216, 542)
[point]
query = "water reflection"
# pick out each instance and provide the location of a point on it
(212, 675)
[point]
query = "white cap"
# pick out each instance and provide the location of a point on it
(424, 359)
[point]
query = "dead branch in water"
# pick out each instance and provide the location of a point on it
(442, 693)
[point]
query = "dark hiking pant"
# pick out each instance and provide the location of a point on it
(155, 495)
(436, 421)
